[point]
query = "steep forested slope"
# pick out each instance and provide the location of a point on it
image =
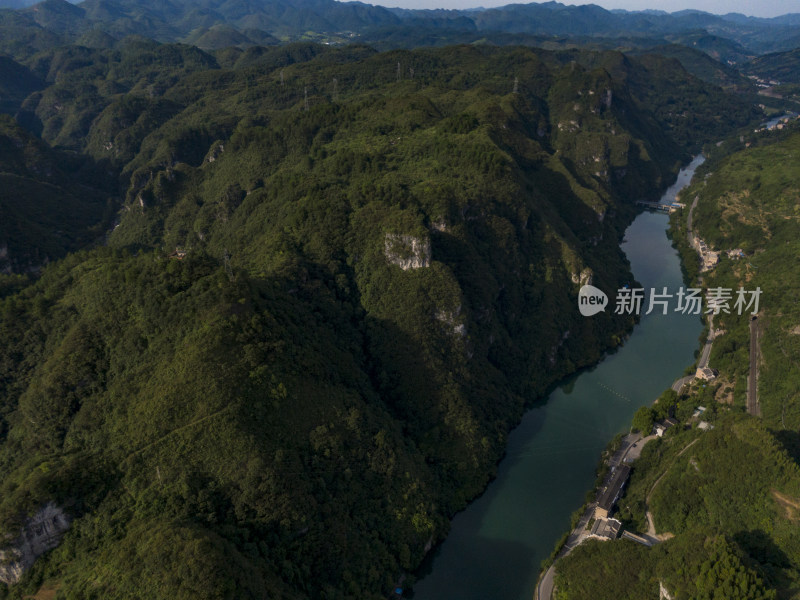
(337, 279)
(750, 201)
(50, 202)
(783, 67)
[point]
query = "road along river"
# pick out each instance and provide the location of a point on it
(495, 546)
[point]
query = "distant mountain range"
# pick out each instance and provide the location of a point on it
(241, 22)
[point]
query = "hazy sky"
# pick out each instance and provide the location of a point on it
(758, 8)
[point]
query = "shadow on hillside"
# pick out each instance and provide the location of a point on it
(761, 547)
(790, 440)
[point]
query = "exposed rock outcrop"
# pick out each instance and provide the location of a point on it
(41, 532)
(585, 277)
(214, 152)
(663, 594)
(451, 319)
(407, 251)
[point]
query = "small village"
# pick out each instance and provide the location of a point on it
(778, 125)
(710, 258)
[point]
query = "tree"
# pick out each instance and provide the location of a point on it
(643, 420)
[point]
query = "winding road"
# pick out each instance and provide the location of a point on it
(651, 528)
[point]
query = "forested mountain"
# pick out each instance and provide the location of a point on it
(702, 66)
(50, 202)
(783, 67)
(731, 38)
(337, 279)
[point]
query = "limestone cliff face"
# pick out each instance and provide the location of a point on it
(585, 277)
(42, 532)
(407, 251)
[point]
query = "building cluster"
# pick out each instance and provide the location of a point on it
(780, 124)
(605, 527)
(708, 258)
(763, 83)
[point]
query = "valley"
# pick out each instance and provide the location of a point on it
(284, 288)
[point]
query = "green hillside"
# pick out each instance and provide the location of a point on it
(334, 286)
(724, 501)
(704, 67)
(783, 67)
(16, 84)
(750, 201)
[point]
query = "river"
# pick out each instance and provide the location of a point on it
(496, 545)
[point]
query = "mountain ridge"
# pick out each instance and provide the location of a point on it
(287, 19)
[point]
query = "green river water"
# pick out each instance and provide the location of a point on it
(496, 545)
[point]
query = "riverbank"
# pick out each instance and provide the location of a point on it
(497, 544)
(580, 533)
(707, 485)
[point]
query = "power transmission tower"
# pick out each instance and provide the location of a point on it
(398, 70)
(516, 85)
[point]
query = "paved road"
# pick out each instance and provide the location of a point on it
(752, 379)
(636, 449)
(703, 362)
(544, 591)
(678, 385)
(704, 356)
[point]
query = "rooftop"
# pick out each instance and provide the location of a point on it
(610, 494)
(606, 528)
